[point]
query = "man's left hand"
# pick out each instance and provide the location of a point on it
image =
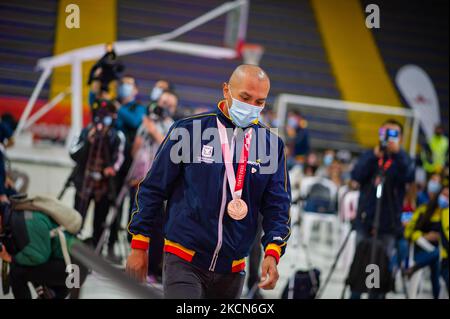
(269, 273)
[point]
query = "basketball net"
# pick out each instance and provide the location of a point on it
(252, 53)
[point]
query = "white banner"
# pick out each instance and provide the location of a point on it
(417, 89)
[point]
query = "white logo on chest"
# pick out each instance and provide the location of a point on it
(207, 151)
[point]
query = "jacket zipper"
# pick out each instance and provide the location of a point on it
(212, 267)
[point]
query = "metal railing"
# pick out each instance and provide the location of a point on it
(91, 260)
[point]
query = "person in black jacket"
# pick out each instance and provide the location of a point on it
(99, 154)
(398, 168)
(7, 127)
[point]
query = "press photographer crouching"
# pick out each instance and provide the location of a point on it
(37, 248)
(99, 154)
(382, 175)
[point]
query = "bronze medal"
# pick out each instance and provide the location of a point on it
(237, 209)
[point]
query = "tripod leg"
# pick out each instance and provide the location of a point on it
(61, 194)
(106, 231)
(333, 267)
(343, 291)
(110, 218)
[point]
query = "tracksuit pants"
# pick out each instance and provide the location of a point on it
(183, 280)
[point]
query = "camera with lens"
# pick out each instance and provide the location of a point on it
(387, 135)
(107, 69)
(157, 112)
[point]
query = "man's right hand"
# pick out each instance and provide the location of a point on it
(4, 199)
(137, 264)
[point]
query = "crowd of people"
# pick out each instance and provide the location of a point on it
(117, 148)
(112, 154)
(413, 209)
(115, 151)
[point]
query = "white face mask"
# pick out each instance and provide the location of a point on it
(243, 114)
(156, 93)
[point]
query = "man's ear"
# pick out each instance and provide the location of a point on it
(225, 89)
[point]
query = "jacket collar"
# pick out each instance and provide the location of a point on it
(225, 119)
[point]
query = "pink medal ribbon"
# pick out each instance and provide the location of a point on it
(237, 208)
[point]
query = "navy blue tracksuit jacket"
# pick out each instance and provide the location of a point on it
(197, 227)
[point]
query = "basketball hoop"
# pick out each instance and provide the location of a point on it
(251, 53)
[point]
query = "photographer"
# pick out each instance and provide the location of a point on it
(129, 118)
(99, 154)
(34, 254)
(392, 164)
(156, 125)
(148, 139)
(160, 86)
(103, 72)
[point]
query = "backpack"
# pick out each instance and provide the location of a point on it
(66, 217)
(357, 276)
(302, 285)
(63, 215)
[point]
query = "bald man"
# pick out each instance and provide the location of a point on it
(217, 171)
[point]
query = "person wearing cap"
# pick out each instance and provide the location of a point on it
(214, 195)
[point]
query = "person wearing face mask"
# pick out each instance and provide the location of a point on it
(160, 86)
(296, 129)
(129, 118)
(433, 187)
(148, 139)
(214, 198)
(327, 159)
(130, 113)
(99, 155)
(424, 231)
